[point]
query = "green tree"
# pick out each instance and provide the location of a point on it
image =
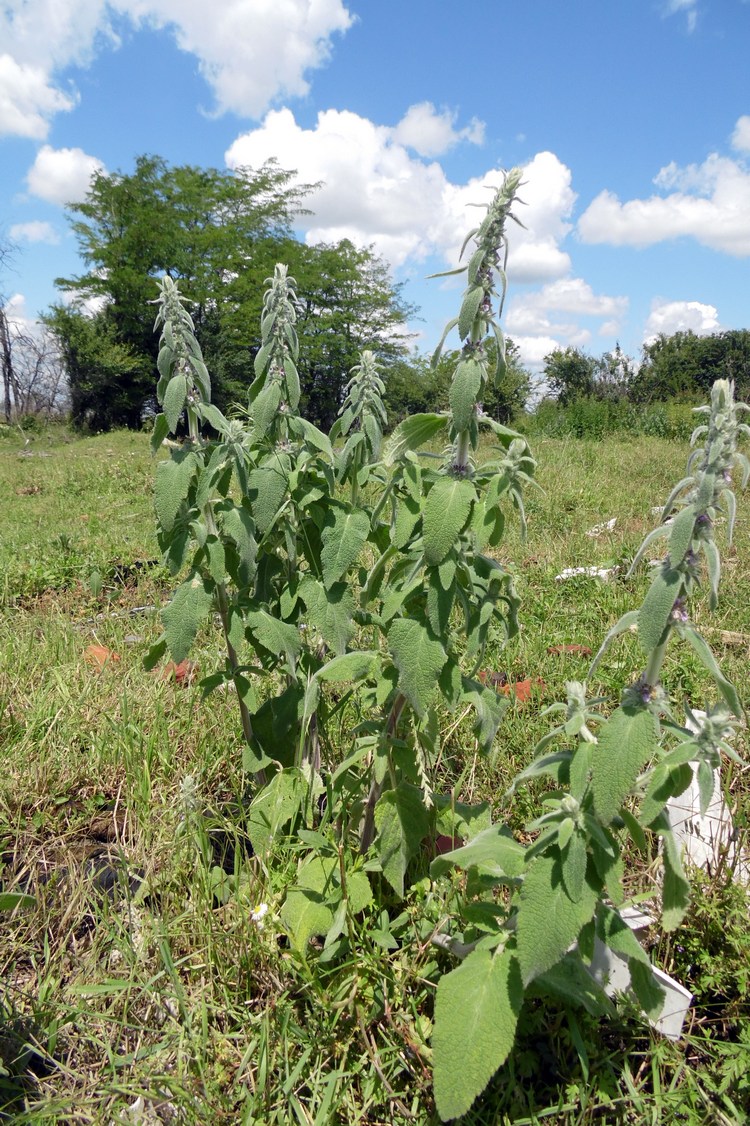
(570, 374)
(220, 235)
(108, 381)
(685, 366)
(205, 227)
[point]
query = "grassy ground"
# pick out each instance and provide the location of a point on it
(139, 988)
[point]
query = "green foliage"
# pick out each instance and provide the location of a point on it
(218, 234)
(685, 366)
(597, 418)
(359, 587)
(109, 381)
(476, 1013)
(570, 374)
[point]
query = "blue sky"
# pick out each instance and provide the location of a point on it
(631, 119)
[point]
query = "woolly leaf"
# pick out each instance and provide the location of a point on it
(172, 485)
(419, 658)
(159, 433)
(493, 852)
(402, 823)
(411, 434)
(358, 665)
(266, 406)
(330, 611)
(464, 391)
(446, 513)
(190, 605)
(237, 525)
(280, 638)
(470, 306)
(489, 710)
(174, 400)
(654, 614)
(681, 535)
(573, 860)
(292, 383)
(274, 808)
(548, 920)
(407, 517)
(476, 1012)
(267, 487)
(627, 741)
(343, 538)
(727, 689)
(675, 897)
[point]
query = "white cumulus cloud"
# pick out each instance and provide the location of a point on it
(62, 175)
(741, 134)
(250, 52)
(374, 191)
(708, 202)
(669, 317)
(27, 99)
(431, 133)
(534, 319)
(35, 231)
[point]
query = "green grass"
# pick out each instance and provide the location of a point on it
(164, 989)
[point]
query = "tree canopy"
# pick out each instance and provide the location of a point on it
(219, 234)
(685, 366)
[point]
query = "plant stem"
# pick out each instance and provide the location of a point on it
(376, 789)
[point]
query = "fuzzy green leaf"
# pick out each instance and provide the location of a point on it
(489, 710)
(174, 400)
(648, 991)
(267, 487)
(275, 807)
(292, 383)
(681, 535)
(402, 823)
(237, 525)
(439, 605)
(476, 1012)
(548, 920)
(309, 907)
(9, 900)
(571, 980)
(419, 658)
(408, 515)
(213, 416)
(330, 611)
(675, 897)
(464, 392)
(470, 305)
(191, 604)
(627, 741)
(574, 864)
(265, 407)
(357, 665)
(411, 434)
(280, 638)
(446, 514)
(343, 538)
(171, 486)
(159, 433)
(493, 852)
(654, 614)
